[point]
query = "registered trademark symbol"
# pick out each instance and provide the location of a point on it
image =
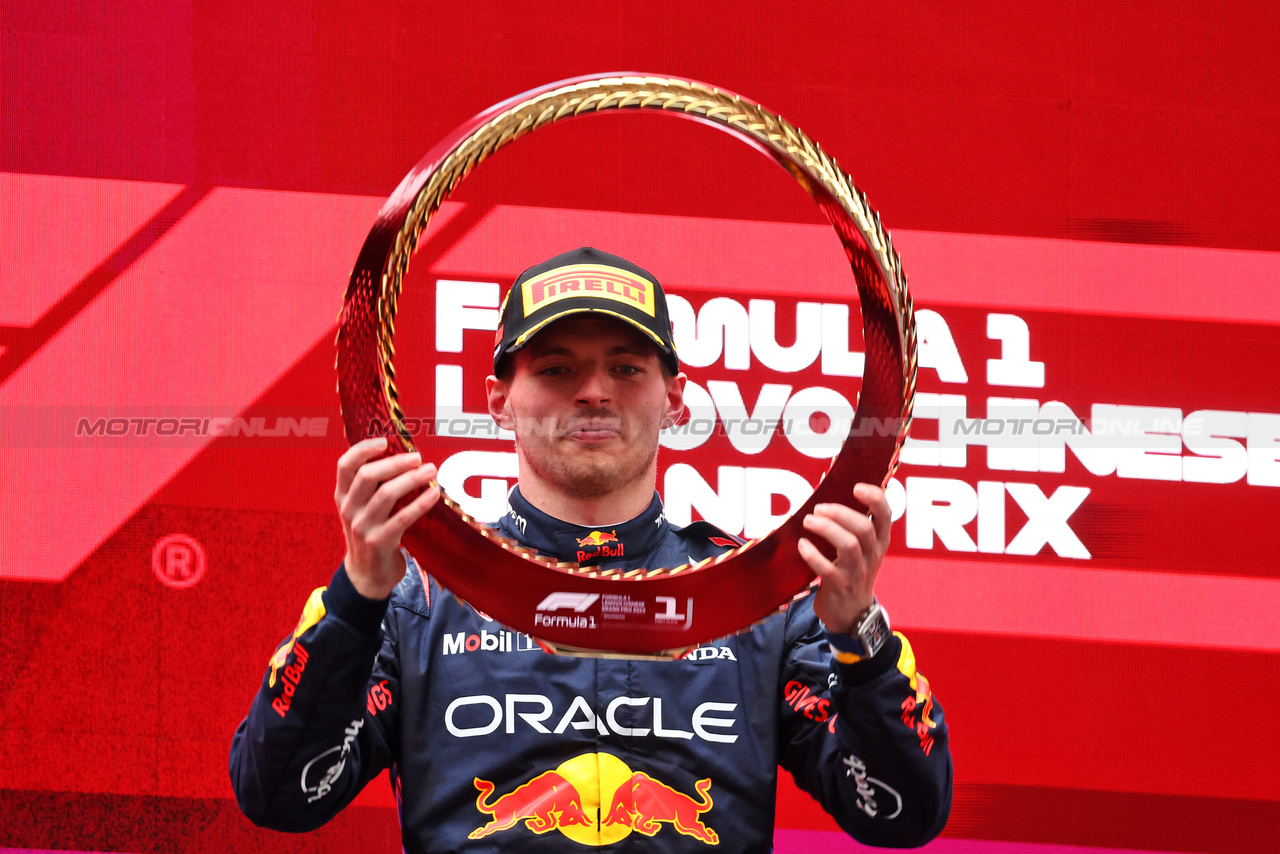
(178, 560)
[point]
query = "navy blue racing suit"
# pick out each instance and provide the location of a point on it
(494, 744)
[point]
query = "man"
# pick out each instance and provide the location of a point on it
(493, 743)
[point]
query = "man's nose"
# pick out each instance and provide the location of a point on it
(594, 388)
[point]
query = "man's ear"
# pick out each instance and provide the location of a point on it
(499, 404)
(675, 400)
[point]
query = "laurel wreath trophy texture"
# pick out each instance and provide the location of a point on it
(713, 598)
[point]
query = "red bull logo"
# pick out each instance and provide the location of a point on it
(643, 804)
(545, 803)
(598, 538)
(921, 701)
(596, 799)
(597, 544)
(311, 614)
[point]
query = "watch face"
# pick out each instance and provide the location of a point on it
(874, 631)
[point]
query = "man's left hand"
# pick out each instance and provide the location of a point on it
(860, 541)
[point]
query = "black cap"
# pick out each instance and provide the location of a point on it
(584, 280)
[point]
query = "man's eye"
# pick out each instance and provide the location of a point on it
(628, 370)
(553, 371)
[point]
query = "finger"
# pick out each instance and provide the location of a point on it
(413, 511)
(856, 522)
(371, 475)
(844, 537)
(881, 514)
(846, 516)
(354, 457)
(817, 561)
(391, 491)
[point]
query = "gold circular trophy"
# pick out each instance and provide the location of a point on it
(513, 583)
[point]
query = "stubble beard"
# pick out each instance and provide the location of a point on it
(588, 472)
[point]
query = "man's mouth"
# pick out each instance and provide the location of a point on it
(593, 430)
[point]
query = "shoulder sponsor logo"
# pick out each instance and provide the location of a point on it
(379, 697)
(312, 614)
(324, 784)
(919, 702)
(291, 674)
(482, 714)
(869, 788)
(804, 701)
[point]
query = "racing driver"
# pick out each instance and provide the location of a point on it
(493, 744)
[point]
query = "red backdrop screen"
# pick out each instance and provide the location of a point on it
(1085, 535)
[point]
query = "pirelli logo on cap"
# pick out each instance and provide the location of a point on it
(588, 280)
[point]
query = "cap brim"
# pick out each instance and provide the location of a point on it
(528, 334)
(537, 327)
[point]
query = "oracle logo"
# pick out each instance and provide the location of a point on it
(482, 714)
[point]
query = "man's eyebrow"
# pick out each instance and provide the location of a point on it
(637, 349)
(536, 352)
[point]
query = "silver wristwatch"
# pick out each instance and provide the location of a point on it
(872, 631)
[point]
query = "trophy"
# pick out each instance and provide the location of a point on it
(656, 611)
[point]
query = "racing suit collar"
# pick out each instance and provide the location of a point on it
(581, 543)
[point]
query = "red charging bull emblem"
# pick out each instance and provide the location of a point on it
(596, 799)
(547, 802)
(599, 544)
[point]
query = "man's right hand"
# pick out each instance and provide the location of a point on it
(366, 494)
